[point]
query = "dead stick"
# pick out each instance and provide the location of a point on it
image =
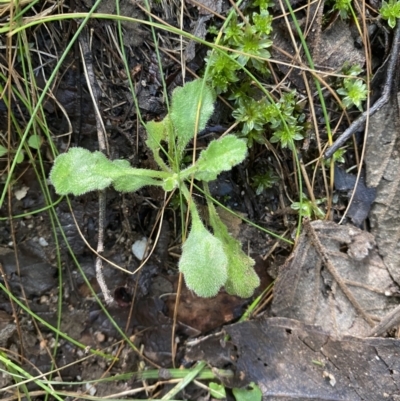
(94, 92)
(390, 320)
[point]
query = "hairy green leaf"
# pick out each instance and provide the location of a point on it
(80, 171)
(203, 261)
(75, 172)
(157, 131)
(242, 279)
(129, 183)
(220, 155)
(186, 116)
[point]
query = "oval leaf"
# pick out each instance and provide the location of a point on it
(34, 141)
(75, 172)
(186, 116)
(220, 155)
(203, 262)
(20, 156)
(242, 279)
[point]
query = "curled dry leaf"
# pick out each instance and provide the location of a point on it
(335, 279)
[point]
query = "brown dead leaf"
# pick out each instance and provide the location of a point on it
(330, 48)
(337, 47)
(293, 361)
(206, 10)
(382, 160)
(335, 279)
(205, 5)
(205, 314)
(32, 270)
(232, 222)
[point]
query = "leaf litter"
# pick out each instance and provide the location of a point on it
(291, 360)
(327, 295)
(330, 295)
(335, 279)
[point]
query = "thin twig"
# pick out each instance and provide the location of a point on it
(94, 92)
(389, 321)
(387, 89)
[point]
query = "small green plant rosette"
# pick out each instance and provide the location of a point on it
(264, 181)
(287, 136)
(343, 6)
(223, 71)
(203, 261)
(338, 157)
(308, 208)
(354, 93)
(390, 11)
(255, 44)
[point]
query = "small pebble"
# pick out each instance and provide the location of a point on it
(91, 389)
(100, 337)
(139, 248)
(43, 242)
(44, 299)
(21, 193)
